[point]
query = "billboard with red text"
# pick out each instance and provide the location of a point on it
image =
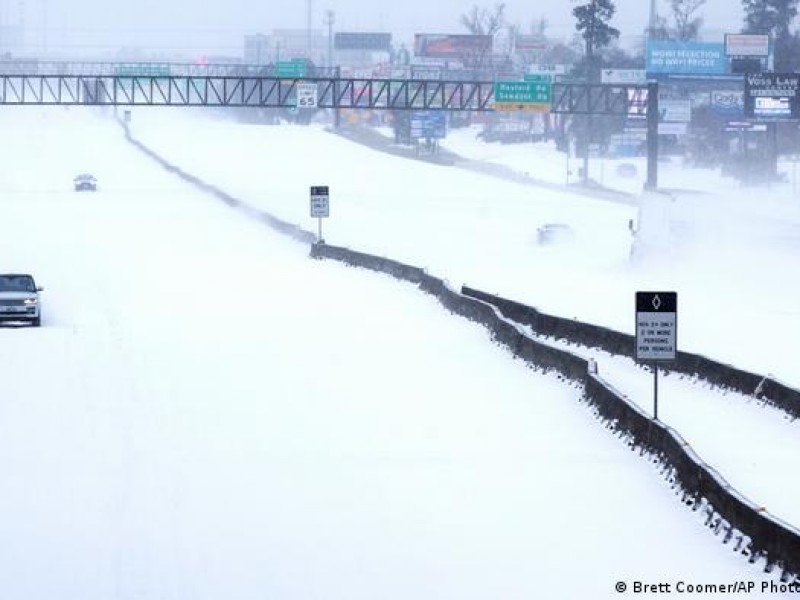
(443, 45)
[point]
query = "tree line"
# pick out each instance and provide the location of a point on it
(596, 42)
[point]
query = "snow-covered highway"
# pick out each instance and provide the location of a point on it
(206, 413)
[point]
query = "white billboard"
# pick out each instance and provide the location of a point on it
(741, 44)
(623, 76)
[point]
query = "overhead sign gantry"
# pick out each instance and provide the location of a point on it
(331, 92)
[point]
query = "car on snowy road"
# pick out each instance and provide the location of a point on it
(19, 299)
(85, 182)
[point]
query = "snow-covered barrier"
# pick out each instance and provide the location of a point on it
(748, 528)
(292, 230)
(754, 532)
(725, 376)
(504, 332)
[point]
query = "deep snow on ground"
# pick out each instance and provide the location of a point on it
(207, 413)
(750, 443)
(686, 243)
(731, 256)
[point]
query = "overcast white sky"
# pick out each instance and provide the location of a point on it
(218, 26)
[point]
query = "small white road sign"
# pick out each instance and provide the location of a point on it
(306, 95)
(320, 201)
(656, 325)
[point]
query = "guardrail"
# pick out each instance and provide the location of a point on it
(725, 376)
(753, 531)
(294, 231)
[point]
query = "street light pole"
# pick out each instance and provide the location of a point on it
(308, 28)
(330, 18)
(653, 18)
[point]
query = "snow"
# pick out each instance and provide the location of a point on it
(730, 255)
(751, 443)
(207, 413)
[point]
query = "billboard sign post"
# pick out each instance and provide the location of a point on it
(456, 47)
(740, 44)
(379, 42)
(656, 332)
(727, 103)
(623, 76)
(772, 95)
(686, 58)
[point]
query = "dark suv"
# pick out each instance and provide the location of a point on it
(19, 299)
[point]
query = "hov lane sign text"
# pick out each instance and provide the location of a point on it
(320, 205)
(656, 325)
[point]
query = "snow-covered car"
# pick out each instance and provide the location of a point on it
(85, 182)
(553, 232)
(19, 299)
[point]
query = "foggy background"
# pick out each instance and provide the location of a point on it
(61, 28)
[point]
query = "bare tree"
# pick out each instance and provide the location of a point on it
(687, 24)
(484, 21)
(540, 27)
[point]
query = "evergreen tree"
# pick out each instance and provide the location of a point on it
(769, 16)
(593, 24)
(775, 17)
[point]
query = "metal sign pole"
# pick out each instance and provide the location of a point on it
(652, 136)
(320, 207)
(655, 391)
(656, 332)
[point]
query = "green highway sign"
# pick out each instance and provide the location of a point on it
(523, 95)
(292, 68)
(522, 92)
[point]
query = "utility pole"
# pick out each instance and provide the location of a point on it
(309, 4)
(653, 18)
(44, 28)
(330, 18)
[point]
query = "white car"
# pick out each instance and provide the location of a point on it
(19, 299)
(85, 182)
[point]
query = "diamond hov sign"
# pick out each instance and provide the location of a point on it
(656, 325)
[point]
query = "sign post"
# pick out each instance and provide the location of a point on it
(656, 332)
(772, 95)
(320, 206)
